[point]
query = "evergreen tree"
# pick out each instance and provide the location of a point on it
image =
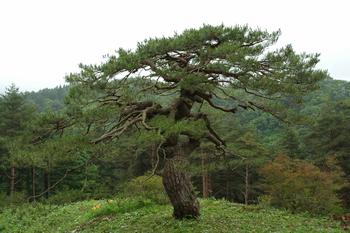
(330, 136)
(289, 143)
(194, 67)
(15, 114)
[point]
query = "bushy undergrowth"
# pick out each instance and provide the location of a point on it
(148, 187)
(117, 206)
(17, 198)
(66, 196)
(140, 215)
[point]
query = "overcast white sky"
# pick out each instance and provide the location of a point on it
(43, 40)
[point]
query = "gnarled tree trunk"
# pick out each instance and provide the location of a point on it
(177, 184)
(176, 180)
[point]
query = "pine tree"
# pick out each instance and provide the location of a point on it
(330, 136)
(194, 68)
(14, 116)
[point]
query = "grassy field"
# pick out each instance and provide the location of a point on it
(137, 215)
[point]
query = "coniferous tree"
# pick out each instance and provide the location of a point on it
(330, 137)
(195, 66)
(14, 116)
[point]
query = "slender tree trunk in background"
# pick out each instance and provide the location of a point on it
(205, 177)
(13, 180)
(33, 183)
(227, 184)
(47, 183)
(179, 188)
(153, 155)
(47, 179)
(246, 181)
(210, 185)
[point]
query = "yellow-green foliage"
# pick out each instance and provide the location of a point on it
(117, 206)
(300, 186)
(147, 187)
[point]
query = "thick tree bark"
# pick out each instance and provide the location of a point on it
(179, 188)
(176, 180)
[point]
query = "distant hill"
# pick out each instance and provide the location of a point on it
(48, 98)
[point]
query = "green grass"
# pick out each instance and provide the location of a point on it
(137, 215)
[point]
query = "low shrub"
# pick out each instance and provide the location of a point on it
(66, 196)
(17, 198)
(115, 206)
(148, 188)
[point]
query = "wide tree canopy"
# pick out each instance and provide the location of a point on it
(162, 86)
